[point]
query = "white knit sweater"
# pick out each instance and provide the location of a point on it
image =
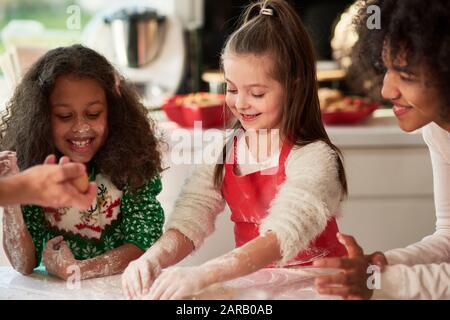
(422, 270)
(310, 195)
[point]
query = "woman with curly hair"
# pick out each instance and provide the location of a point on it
(412, 50)
(72, 103)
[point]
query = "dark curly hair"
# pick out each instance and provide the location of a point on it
(420, 29)
(130, 156)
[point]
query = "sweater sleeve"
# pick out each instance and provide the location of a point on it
(197, 207)
(423, 281)
(310, 195)
(33, 217)
(436, 247)
(143, 216)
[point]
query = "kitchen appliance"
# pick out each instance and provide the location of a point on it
(138, 35)
(148, 42)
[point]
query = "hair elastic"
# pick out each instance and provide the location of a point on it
(266, 12)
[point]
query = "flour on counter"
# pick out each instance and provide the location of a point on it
(268, 284)
(41, 286)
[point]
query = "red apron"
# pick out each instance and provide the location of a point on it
(249, 198)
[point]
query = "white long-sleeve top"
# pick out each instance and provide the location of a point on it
(310, 195)
(422, 270)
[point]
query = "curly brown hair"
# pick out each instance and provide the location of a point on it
(130, 155)
(421, 29)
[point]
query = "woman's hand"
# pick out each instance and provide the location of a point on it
(52, 185)
(178, 283)
(47, 185)
(351, 283)
(139, 276)
(57, 258)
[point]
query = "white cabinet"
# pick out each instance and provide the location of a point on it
(390, 201)
(390, 180)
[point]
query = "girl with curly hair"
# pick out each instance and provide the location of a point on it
(73, 104)
(412, 51)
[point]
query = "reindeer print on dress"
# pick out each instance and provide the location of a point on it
(92, 222)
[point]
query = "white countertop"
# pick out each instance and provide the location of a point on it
(266, 284)
(380, 130)
(40, 286)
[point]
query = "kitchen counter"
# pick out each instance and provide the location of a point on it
(380, 130)
(266, 284)
(40, 286)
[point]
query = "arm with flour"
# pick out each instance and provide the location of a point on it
(300, 211)
(17, 241)
(190, 223)
(141, 224)
(47, 184)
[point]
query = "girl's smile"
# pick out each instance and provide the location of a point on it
(81, 146)
(249, 117)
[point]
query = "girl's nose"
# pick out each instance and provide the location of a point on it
(241, 103)
(390, 89)
(80, 127)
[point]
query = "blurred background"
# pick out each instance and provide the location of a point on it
(205, 25)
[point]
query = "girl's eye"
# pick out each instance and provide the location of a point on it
(258, 95)
(64, 116)
(93, 115)
(232, 91)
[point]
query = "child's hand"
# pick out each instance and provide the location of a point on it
(139, 276)
(8, 163)
(57, 258)
(351, 283)
(178, 283)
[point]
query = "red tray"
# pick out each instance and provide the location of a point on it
(350, 117)
(210, 116)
